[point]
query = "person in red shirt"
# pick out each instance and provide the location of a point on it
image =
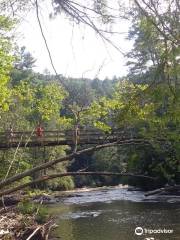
(39, 131)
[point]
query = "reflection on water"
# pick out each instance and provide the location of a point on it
(114, 214)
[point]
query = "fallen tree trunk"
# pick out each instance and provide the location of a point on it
(13, 225)
(164, 189)
(11, 200)
(49, 177)
(48, 164)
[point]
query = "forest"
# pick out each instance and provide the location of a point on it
(145, 104)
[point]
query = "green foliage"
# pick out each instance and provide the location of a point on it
(40, 213)
(27, 207)
(6, 61)
(146, 103)
(62, 184)
(50, 97)
(154, 111)
(40, 103)
(107, 160)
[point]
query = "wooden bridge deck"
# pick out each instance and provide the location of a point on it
(55, 138)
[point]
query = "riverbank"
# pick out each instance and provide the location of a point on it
(21, 220)
(15, 223)
(22, 223)
(17, 226)
(53, 197)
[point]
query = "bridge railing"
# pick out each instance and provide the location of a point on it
(84, 136)
(26, 136)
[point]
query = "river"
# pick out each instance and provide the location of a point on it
(114, 214)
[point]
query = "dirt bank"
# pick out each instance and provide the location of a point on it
(17, 226)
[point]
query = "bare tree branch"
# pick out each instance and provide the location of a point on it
(48, 164)
(59, 175)
(161, 190)
(166, 36)
(82, 17)
(14, 158)
(46, 44)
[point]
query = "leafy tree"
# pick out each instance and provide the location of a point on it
(40, 103)
(6, 61)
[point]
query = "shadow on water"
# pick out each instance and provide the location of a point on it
(114, 214)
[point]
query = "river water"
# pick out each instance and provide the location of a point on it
(114, 214)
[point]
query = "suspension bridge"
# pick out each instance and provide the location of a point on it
(56, 138)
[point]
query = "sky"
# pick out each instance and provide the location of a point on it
(77, 51)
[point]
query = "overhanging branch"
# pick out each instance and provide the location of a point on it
(59, 175)
(49, 164)
(162, 190)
